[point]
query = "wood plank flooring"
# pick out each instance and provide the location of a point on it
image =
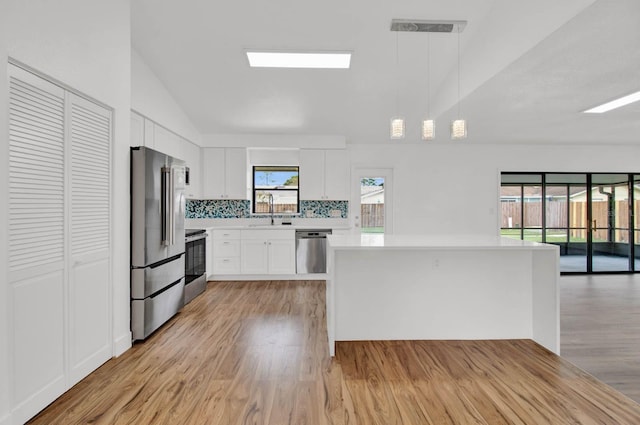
(600, 328)
(256, 353)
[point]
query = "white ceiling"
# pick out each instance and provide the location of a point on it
(527, 68)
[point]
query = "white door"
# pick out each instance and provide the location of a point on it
(36, 242)
(372, 200)
(89, 139)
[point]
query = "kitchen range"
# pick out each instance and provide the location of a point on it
(157, 239)
(195, 263)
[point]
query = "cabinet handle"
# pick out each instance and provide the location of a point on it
(226, 243)
(225, 260)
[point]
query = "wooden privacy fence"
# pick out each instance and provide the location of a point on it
(556, 217)
(372, 215)
(263, 207)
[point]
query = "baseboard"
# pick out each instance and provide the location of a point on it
(310, 276)
(122, 344)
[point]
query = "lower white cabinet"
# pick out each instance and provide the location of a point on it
(268, 251)
(226, 251)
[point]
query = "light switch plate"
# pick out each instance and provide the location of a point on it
(309, 214)
(336, 213)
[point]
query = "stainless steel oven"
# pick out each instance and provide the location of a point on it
(194, 264)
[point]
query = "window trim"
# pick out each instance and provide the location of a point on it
(254, 189)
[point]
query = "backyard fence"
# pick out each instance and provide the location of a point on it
(263, 207)
(556, 217)
(372, 215)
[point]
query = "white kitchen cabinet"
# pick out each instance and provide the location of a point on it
(192, 159)
(324, 174)
(225, 252)
(167, 142)
(224, 173)
(282, 256)
(208, 261)
(268, 251)
(149, 133)
(137, 130)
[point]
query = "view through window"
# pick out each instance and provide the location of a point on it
(275, 187)
(590, 216)
(372, 205)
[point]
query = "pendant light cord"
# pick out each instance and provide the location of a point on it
(458, 73)
(397, 72)
(428, 73)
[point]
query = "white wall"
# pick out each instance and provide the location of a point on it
(151, 98)
(453, 188)
(5, 370)
(84, 44)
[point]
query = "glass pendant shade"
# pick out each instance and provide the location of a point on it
(428, 129)
(397, 128)
(458, 129)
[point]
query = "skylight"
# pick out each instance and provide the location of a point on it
(326, 60)
(625, 100)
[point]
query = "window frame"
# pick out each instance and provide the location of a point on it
(277, 168)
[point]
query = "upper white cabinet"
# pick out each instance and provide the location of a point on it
(167, 142)
(191, 157)
(145, 132)
(224, 173)
(324, 174)
(137, 129)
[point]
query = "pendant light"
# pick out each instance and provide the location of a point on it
(459, 125)
(397, 122)
(428, 124)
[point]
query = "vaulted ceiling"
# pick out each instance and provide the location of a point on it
(527, 69)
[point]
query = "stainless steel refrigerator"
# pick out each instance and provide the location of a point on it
(157, 239)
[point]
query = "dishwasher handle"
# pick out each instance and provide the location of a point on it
(312, 234)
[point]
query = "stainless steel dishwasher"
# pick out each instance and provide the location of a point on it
(311, 250)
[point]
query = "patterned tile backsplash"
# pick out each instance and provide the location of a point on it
(241, 208)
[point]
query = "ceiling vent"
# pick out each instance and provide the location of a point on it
(415, 25)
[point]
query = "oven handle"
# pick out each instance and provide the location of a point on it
(195, 237)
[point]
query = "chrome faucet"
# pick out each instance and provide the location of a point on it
(271, 207)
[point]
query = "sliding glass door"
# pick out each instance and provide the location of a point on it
(592, 217)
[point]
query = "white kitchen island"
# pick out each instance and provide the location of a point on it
(408, 287)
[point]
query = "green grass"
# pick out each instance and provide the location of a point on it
(373, 230)
(535, 235)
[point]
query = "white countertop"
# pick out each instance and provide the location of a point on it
(262, 224)
(379, 241)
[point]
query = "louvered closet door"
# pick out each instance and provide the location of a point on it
(36, 241)
(89, 137)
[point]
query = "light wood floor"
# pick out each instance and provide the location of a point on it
(600, 328)
(256, 353)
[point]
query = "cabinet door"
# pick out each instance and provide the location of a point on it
(137, 130)
(209, 254)
(167, 142)
(236, 173)
(336, 181)
(192, 159)
(311, 174)
(254, 256)
(213, 173)
(282, 254)
(149, 134)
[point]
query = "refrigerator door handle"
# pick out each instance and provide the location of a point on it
(172, 195)
(165, 205)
